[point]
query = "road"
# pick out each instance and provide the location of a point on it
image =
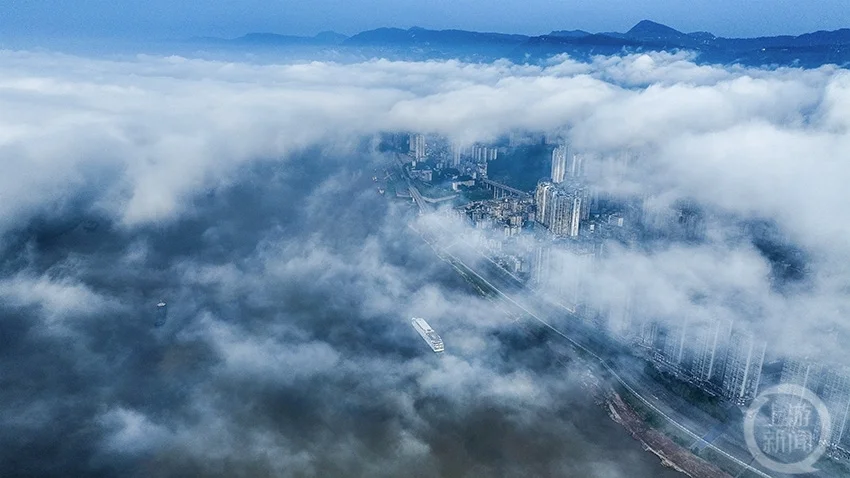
(505, 187)
(645, 389)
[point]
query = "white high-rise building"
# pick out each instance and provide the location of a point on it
(541, 267)
(744, 361)
(673, 348)
(647, 334)
(559, 164)
(457, 151)
(707, 357)
(541, 200)
(564, 213)
(483, 154)
(803, 373)
(562, 273)
(576, 165)
(836, 397)
(558, 210)
(417, 146)
(576, 266)
(576, 213)
(620, 317)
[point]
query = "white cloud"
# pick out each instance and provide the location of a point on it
(59, 299)
(141, 137)
(269, 358)
(165, 128)
(132, 431)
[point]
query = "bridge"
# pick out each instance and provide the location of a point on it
(424, 207)
(501, 190)
(422, 201)
(440, 199)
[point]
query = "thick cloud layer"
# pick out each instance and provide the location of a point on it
(240, 193)
(286, 352)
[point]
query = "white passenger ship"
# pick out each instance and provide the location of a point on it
(434, 341)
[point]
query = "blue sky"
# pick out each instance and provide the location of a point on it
(182, 18)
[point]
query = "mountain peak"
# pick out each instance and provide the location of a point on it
(648, 28)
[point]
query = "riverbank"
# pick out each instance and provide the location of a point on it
(670, 453)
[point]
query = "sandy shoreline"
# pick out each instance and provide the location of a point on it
(671, 454)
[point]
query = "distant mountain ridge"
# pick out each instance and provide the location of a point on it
(323, 38)
(275, 39)
(809, 49)
(418, 35)
(643, 31)
(570, 33)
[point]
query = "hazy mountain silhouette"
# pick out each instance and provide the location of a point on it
(810, 49)
(274, 39)
(324, 38)
(422, 36)
(570, 33)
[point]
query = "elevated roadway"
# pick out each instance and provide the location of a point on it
(504, 188)
(543, 312)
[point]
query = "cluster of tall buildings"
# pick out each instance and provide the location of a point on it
(832, 385)
(572, 230)
(712, 354)
(560, 210)
(481, 153)
(563, 201)
(441, 153)
(571, 236)
(417, 146)
(566, 164)
(561, 268)
(723, 361)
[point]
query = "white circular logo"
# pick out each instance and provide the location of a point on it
(793, 435)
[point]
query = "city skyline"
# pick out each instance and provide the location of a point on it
(712, 357)
(726, 360)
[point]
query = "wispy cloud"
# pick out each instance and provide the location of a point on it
(236, 192)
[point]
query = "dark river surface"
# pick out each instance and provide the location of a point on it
(286, 351)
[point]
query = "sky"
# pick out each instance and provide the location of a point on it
(164, 19)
